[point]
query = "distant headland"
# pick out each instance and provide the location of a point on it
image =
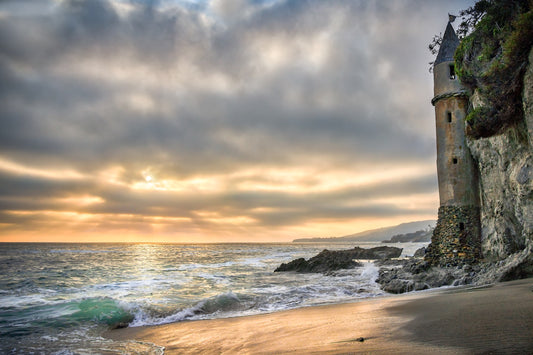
(374, 235)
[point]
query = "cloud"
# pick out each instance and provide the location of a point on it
(246, 115)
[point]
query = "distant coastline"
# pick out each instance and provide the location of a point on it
(374, 235)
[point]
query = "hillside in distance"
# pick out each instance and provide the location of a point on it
(373, 235)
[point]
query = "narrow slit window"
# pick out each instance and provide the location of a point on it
(449, 116)
(452, 71)
(454, 160)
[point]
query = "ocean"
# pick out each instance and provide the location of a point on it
(61, 298)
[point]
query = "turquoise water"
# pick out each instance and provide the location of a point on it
(60, 298)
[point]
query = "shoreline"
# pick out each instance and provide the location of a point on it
(495, 319)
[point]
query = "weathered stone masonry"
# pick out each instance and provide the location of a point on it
(456, 239)
(457, 236)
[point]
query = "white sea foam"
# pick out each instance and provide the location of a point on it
(176, 283)
(142, 317)
(16, 301)
(257, 262)
(223, 302)
(49, 338)
(370, 272)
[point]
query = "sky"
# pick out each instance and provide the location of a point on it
(215, 120)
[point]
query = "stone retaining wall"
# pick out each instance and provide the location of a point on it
(456, 239)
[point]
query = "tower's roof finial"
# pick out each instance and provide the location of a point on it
(451, 17)
(449, 44)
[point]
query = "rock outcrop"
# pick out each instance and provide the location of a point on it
(331, 260)
(415, 275)
(505, 163)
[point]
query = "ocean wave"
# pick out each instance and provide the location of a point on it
(14, 300)
(21, 321)
(102, 310)
(56, 294)
(226, 302)
(153, 283)
(256, 262)
(194, 266)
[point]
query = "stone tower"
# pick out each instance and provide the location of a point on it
(457, 237)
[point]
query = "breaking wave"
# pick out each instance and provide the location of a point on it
(66, 295)
(227, 302)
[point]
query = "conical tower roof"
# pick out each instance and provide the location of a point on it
(449, 44)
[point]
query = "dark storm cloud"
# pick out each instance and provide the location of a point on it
(156, 37)
(188, 90)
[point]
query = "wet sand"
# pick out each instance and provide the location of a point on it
(485, 320)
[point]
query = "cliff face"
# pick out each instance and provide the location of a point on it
(505, 163)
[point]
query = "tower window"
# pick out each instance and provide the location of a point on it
(454, 160)
(449, 116)
(461, 226)
(452, 71)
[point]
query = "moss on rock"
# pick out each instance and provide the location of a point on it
(493, 60)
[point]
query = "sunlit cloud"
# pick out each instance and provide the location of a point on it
(49, 173)
(215, 120)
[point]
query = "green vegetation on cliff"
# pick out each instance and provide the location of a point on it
(492, 60)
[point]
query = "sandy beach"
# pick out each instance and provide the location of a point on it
(484, 320)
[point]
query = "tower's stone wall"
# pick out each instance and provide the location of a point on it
(443, 83)
(458, 178)
(456, 239)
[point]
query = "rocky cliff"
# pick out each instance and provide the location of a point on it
(505, 163)
(495, 61)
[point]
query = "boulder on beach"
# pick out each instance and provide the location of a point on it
(331, 260)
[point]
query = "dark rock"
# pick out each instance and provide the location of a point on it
(439, 277)
(299, 265)
(415, 274)
(418, 267)
(328, 260)
(398, 286)
(376, 253)
(392, 262)
(520, 271)
(419, 286)
(523, 176)
(119, 325)
(420, 253)
(325, 261)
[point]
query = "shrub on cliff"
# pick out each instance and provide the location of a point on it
(493, 59)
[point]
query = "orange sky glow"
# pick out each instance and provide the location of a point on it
(201, 121)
